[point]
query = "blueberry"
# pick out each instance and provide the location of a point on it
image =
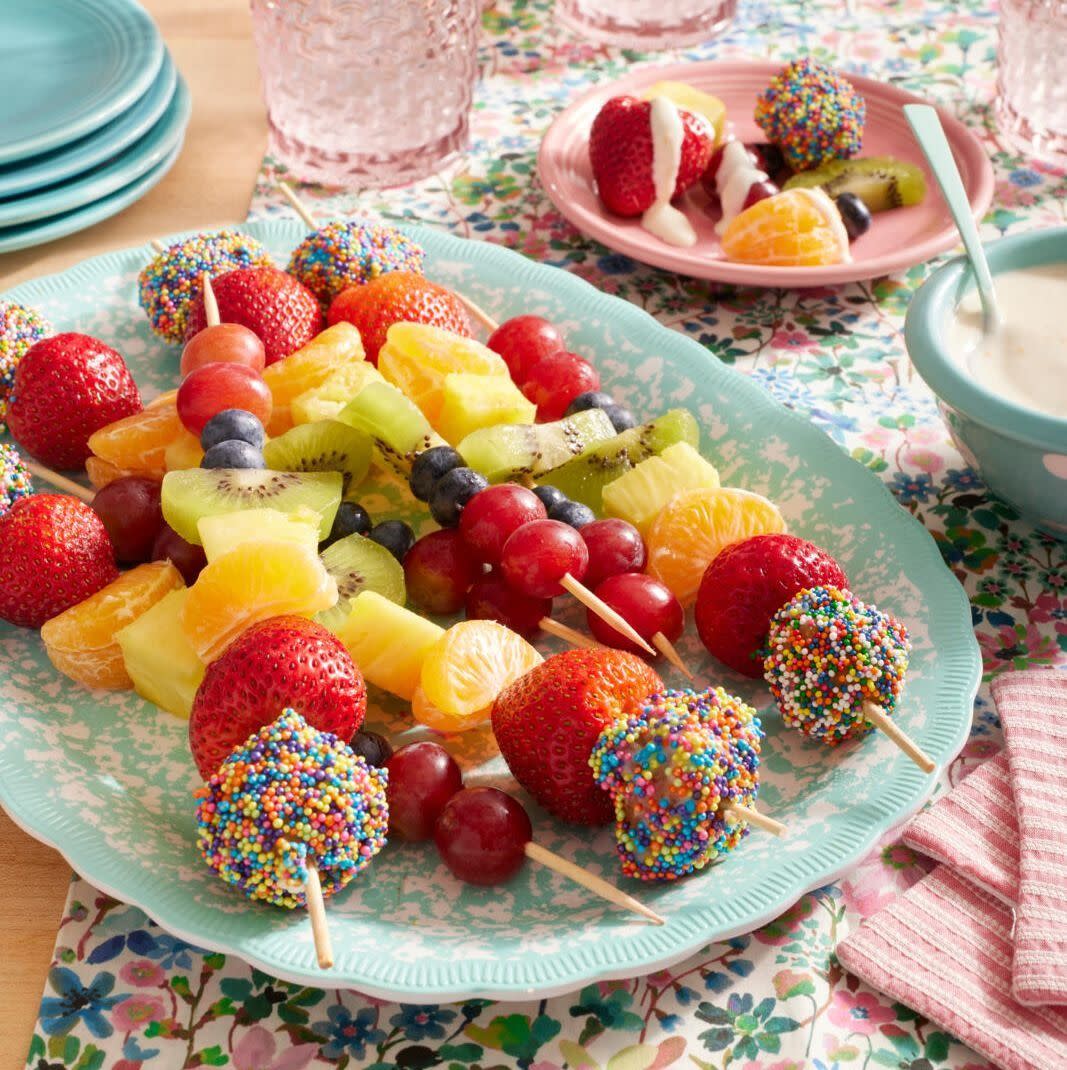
(854, 214)
(428, 468)
(233, 454)
(395, 536)
(573, 513)
(550, 497)
(351, 519)
(621, 418)
(452, 492)
(233, 425)
(591, 399)
(373, 748)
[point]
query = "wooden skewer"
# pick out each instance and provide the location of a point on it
(479, 313)
(569, 635)
(877, 716)
(157, 245)
(211, 306)
(666, 648)
(754, 817)
(536, 853)
(320, 931)
(58, 481)
(602, 610)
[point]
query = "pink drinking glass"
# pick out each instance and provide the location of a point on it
(1031, 106)
(647, 24)
(366, 92)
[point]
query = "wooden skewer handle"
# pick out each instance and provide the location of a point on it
(299, 207)
(536, 853)
(479, 313)
(754, 817)
(877, 716)
(211, 306)
(157, 245)
(568, 635)
(58, 481)
(320, 930)
(666, 648)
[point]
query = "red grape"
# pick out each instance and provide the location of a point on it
(759, 191)
(492, 598)
(482, 835)
(540, 554)
(491, 516)
(188, 558)
(225, 343)
(556, 380)
(614, 546)
(523, 341)
(422, 778)
(209, 389)
(438, 570)
(130, 510)
(643, 602)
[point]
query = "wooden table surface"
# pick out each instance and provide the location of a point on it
(209, 185)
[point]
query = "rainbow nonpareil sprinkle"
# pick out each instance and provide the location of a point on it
(15, 481)
(827, 653)
(171, 281)
(812, 114)
(20, 328)
(343, 254)
(671, 769)
(288, 796)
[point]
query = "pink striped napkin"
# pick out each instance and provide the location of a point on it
(980, 945)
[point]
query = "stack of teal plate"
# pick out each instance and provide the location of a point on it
(92, 114)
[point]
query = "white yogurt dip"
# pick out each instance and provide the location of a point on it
(1025, 359)
(662, 219)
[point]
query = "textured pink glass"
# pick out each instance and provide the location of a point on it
(367, 92)
(1032, 77)
(647, 24)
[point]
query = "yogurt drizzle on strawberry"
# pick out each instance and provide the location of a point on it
(662, 219)
(737, 174)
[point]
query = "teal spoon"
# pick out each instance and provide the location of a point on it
(926, 126)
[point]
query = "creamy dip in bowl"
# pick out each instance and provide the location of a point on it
(1003, 397)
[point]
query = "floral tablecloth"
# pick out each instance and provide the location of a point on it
(123, 994)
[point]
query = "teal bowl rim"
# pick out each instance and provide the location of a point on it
(923, 336)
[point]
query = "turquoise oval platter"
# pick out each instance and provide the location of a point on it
(108, 52)
(107, 779)
(97, 183)
(40, 231)
(79, 156)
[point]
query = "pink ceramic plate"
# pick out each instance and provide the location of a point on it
(897, 240)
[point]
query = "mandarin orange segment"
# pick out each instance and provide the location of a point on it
(416, 358)
(101, 472)
(696, 525)
(309, 367)
(139, 443)
(796, 228)
(184, 452)
(466, 669)
(252, 582)
(81, 640)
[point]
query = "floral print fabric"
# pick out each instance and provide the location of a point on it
(123, 994)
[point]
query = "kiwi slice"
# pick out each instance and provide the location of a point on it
(322, 446)
(360, 564)
(583, 479)
(396, 426)
(509, 451)
(881, 182)
(193, 493)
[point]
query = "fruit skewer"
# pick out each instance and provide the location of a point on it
(309, 220)
(68, 486)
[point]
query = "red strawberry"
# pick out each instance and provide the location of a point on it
(547, 721)
(66, 387)
(620, 150)
(278, 663)
(398, 296)
(284, 313)
(54, 553)
(747, 584)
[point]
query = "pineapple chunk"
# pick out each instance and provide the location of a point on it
(640, 494)
(472, 402)
(226, 531)
(325, 401)
(388, 642)
(160, 659)
(692, 100)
